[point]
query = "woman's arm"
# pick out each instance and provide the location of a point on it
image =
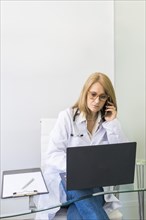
(114, 131)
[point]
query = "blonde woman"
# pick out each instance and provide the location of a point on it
(92, 120)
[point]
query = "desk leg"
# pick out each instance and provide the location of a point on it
(32, 205)
(140, 184)
(141, 205)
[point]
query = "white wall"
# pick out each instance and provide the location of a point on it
(130, 82)
(48, 50)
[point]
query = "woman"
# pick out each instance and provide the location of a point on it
(95, 116)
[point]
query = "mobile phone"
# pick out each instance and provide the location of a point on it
(104, 113)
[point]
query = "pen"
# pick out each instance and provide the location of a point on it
(28, 183)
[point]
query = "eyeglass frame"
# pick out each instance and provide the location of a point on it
(91, 96)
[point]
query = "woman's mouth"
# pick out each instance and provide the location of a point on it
(95, 106)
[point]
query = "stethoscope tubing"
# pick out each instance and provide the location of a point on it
(75, 134)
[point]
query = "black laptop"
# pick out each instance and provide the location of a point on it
(99, 165)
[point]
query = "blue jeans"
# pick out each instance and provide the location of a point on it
(87, 209)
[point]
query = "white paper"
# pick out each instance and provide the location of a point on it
(23, 183)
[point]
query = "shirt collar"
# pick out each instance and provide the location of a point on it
(81, 118)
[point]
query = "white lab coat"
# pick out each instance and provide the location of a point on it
(60, 139)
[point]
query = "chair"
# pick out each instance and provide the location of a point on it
(46, 126)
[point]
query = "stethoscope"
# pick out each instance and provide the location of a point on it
(75, 128)
(76, 132)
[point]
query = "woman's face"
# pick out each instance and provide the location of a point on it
(96, 97)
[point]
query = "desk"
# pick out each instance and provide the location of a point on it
(138, 186)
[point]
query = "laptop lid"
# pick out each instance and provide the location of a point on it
(100, 165)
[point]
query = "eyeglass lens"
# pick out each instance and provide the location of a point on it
(102, 97)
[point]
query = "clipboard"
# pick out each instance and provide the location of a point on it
(23, 182)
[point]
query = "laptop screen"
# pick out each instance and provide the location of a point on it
(100, 165)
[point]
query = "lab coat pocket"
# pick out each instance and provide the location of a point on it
(78, 141)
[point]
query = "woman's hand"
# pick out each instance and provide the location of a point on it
(110, 112)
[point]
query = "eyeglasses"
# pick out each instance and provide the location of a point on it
(102, 97)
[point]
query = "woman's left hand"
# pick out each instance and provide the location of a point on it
(110, 112)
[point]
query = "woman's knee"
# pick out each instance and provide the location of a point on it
(74, 194)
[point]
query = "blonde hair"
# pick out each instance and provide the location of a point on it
(104, 80)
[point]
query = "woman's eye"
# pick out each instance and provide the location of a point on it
(103, 96)
(94, 94)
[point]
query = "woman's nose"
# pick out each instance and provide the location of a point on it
(97, 99)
